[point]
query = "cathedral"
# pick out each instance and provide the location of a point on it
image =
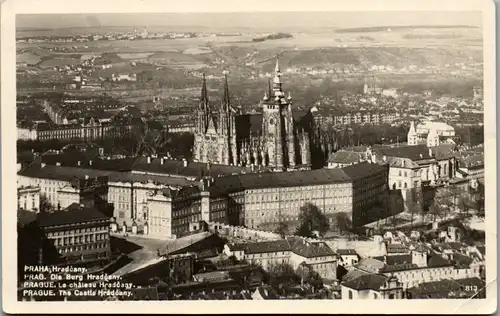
(276, 138)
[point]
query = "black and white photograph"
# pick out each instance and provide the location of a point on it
(251, 154)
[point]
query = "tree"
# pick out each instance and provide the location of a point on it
(344, 223)
(282, 229)
(464, 205)
(436, 210)
(311, 219)
(45, 204)
(282, 276)
(314, 279)
(414, 204)
(150, 142)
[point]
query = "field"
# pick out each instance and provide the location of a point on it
(415, 45)
(176, 64)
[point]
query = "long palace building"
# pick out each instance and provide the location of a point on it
(276, 138)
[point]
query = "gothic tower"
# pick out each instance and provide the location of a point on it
(227, 128)
(274, 124)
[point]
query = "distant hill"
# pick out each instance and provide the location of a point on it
(272, 37)
(400, 27)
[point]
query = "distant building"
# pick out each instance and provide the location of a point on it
(28, 198)
(294, 251)
(89, 129)
(431, 133)
(420, 266)
(449, 289)
(478, 93)
(372, 286)
(471, 166)
(339, 117)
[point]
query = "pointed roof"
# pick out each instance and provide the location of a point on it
(432, 134)
(412, 128)
(226, 101)
(204, 94)
(211, 124)
(277, 71)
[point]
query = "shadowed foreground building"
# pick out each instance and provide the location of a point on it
(80, 234)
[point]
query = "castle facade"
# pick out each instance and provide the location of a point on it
(276, 138)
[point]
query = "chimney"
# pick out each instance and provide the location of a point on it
(149, 159)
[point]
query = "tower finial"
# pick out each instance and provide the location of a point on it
(277, 71)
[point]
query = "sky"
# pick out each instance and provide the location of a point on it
(251, 20)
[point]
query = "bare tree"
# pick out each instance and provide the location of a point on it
(414, 204)
(150, 142)
(436, 210)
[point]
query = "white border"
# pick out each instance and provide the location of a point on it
(8, 115)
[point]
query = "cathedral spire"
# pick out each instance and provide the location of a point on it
(277, 71)
(226, 101)
(204, 94)
(277, 79)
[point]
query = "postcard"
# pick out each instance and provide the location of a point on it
(194, 156)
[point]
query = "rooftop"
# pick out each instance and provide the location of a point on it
(296, 245)
(345, 157)
(73, 214)
(68, 174)
(242, 182)
(366, 282)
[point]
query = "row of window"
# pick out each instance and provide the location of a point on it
(83, 247)
(65, 241)
(78, 231)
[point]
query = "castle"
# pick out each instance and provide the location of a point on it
(277, 138)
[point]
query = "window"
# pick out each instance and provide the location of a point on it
(350, 294)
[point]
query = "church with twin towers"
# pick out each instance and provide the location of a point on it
(276, 138)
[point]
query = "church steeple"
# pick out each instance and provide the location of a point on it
(226, 101)
(277, 79)
(204, 103)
